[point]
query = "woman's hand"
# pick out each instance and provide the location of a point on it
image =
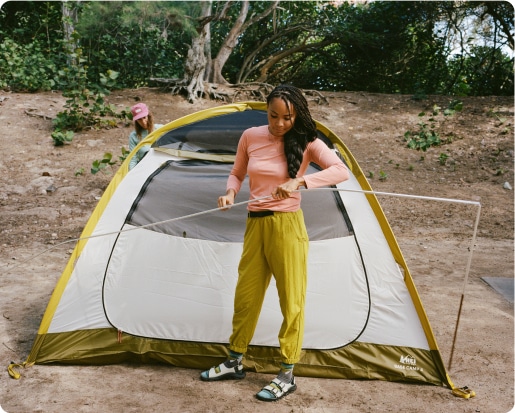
(225, 201)
(285, 190)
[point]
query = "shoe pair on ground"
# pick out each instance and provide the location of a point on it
(233, 370)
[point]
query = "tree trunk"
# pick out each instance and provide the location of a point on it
(230, 42)
(250, 64)
(194, 70)
(227, 47)
(199, 67)
(196, 61)
(70, 15)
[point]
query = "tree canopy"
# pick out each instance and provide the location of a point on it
(410, 47)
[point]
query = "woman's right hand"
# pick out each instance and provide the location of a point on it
(225, 201)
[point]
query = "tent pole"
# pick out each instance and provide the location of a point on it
(471, 249)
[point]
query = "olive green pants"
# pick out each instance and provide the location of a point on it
(274, 245)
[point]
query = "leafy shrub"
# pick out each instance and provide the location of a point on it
(61, 137)
(86, 101)
(422, 139)
(133, 35)
(101, 164)
(442, 159)
(25, 68)
(428, 136)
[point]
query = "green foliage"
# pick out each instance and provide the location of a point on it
(101, 164)
(125, 153)
(422, 139)
(30, 45)
(485, 71)
(107, 161)
(25, 68)
(455, 105)
(442, 159)
(62, 137)
(139, 40)
(86, 101)
(427, 135)
(386, 47)
(27, 21)
(86, 105)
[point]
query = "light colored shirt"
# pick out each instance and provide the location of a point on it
(134, 140)
(260, 155)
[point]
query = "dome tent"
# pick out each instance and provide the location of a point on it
(152, 277)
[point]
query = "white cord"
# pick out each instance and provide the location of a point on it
(208, 211)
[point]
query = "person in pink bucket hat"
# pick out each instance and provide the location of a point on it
(143, 125)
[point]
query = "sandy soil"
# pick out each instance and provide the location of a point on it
(45, 201)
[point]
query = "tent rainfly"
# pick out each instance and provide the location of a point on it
(152, 277)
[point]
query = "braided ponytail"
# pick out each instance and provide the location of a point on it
(303, 130)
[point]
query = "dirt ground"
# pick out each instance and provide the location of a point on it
(47, 194)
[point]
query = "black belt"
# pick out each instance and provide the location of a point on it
(260, 214)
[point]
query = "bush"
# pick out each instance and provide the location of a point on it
(25, 68)
(85, 101)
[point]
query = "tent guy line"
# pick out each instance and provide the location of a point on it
(208, 211)
(427, 198)
(105, 234)
(449, 200)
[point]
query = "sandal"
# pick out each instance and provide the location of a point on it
(276, 390)
(228, 370)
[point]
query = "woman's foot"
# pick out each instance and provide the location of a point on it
(278, 388)
(231, 369)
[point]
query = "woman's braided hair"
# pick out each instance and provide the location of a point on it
(304, 128)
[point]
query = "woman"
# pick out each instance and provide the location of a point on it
(143, 125)
(275, 157)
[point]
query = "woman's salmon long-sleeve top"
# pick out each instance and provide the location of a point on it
(260, 155)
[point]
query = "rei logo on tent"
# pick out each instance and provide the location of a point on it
(408, 362)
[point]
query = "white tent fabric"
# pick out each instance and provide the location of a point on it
(188, 294)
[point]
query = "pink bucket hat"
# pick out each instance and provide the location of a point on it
(139, 110)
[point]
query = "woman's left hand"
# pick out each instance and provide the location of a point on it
(285, 190)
